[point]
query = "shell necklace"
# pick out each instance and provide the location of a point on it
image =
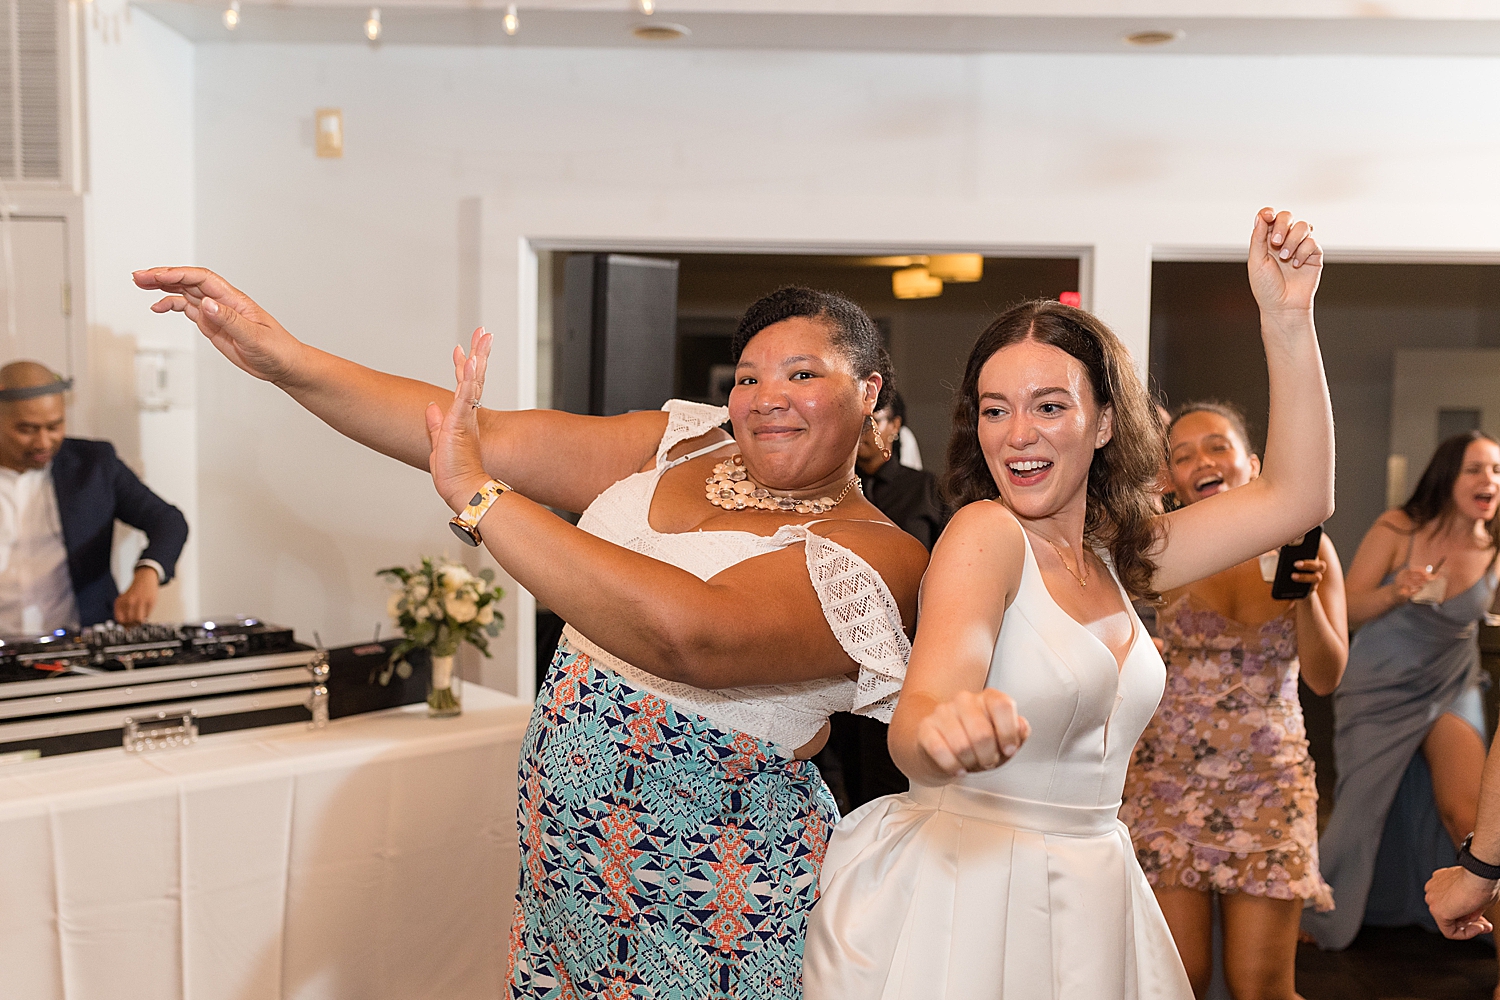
(732, 488)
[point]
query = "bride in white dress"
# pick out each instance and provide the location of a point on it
(1018, 881)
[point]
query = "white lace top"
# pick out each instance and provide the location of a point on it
(856, 602)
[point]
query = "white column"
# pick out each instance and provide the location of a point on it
(1116, 287)
(505, 287)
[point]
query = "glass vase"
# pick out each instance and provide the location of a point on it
(445, 689)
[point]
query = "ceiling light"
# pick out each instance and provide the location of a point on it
(956, 267)
(372, 26)
(647, 7)
(902, 261)
(232, 15)
(661, 32)
(1146, 39)
(512, 20)
(915, 283)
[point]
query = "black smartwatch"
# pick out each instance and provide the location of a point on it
(1488, 872)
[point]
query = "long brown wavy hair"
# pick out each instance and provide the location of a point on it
(1123, 476)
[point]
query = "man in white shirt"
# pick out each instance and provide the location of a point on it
(59, 498)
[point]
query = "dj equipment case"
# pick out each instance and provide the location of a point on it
(155, 685)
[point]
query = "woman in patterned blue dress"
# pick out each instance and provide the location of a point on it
(672, 828)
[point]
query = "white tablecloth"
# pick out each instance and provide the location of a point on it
(372, 859)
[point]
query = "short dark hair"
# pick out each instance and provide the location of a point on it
(1432, 500)
(849, 327)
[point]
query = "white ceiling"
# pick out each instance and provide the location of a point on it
(1393, 27)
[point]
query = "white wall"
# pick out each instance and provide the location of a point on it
(1117, 154)
(139, 211)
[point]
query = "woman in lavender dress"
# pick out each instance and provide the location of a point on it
(1221, 797)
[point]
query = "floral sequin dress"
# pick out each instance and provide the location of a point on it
(1220, 794)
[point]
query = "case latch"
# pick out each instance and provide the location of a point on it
(318, 703)
(161, 731)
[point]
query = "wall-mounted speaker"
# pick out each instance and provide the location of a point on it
(618, 347)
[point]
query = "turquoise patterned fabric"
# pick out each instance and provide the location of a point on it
(661, 857)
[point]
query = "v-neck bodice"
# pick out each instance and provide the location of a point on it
(964, 891)
(1086, 709)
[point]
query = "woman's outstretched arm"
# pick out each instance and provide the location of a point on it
(1295, 488)
(758, 622)
(947, 721)
(562, 460)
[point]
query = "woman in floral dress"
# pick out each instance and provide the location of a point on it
(1220, 796)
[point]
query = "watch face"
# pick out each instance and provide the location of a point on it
(465, 534)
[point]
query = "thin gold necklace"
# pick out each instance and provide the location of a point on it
(1082, 580)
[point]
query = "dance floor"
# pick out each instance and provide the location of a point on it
(1403, 963)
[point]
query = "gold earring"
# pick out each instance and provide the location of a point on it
(885, 450)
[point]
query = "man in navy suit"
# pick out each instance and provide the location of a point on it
(59, 499)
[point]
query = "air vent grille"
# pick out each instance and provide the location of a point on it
(30, 120)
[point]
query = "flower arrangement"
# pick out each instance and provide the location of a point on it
(439, 606)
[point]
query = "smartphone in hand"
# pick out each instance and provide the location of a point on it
(1284, 588)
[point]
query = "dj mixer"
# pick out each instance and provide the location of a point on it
(149, 686)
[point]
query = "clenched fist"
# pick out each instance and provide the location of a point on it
(973, 731)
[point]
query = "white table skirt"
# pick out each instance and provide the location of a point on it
(372, 859)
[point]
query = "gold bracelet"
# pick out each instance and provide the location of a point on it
(466, 524)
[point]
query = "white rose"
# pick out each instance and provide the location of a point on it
(453, 577)
(461, 610)
(418, 591)
(434, 608)
(421, 612)
(486, 614)
(393, 606)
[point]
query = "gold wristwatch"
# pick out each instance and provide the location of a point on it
(466, 524)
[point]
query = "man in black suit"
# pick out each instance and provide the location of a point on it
(59, 499)
(905, 495)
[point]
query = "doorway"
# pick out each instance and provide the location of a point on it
(1393, 338)
(928, 338)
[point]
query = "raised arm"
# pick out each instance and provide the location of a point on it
(947, 722)
(1295, 487)
(562, 460)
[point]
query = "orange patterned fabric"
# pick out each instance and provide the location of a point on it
(661, 856)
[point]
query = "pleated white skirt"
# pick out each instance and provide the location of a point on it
(962, 894)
